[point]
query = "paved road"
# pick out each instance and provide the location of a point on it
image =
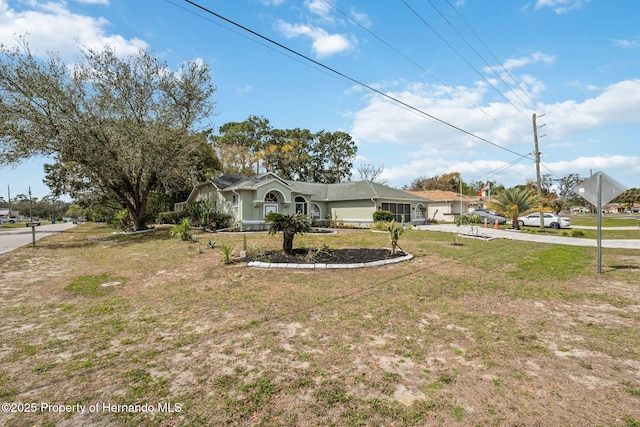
(13, 238)
(534, 237)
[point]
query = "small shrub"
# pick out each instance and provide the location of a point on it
(256, 252)
(577, 233)
(468, 219)
(182, 230)
(122, 220)
(219, 220)
(315, 254)
(227, 254)
(171, 217)
(395, 231)
(211, 244)
(381, 225)
(382, 215)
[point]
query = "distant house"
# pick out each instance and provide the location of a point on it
(249, 198)
(579, 210)
(444, 205)
(621, 208)
(5, 213)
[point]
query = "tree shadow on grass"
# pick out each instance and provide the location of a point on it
(624, 267)
(77, 238)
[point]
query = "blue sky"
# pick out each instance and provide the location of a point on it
(481, 68)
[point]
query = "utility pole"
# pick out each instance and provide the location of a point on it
(537, 154)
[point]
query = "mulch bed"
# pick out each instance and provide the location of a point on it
(328, 256)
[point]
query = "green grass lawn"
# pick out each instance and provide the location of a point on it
(610, 220)
(495, 332)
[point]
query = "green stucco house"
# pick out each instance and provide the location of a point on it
(249, 198)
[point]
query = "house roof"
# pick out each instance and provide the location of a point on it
(367, 190)
(445, 196)
(357, 190)
(353, 190)
(225, 181)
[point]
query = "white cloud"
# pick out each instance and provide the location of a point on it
(53, 27)
(562, 6)
(536, 57)
(361, 18)
(432, 148)
(324, 44)
(382, 121)
(319, 7)
(626, 44)
(617, 104)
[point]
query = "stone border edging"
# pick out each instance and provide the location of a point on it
(320, 266)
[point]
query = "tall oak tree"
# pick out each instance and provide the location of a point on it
(121, 126)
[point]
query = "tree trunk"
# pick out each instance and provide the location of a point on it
(516, 224)
(287, 243)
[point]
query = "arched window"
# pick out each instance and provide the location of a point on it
(271, 197)
(420, 211)
(301, 206)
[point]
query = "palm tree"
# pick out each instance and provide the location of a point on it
(290, 225)
(514, 202)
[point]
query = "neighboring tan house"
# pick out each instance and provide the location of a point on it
(620, 208)
(445, 205)
(249, 198)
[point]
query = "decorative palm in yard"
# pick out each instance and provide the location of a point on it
(290, 225)
(514, 202)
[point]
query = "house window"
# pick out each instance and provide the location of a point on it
(271, 197)
(301, 206)
(268, 208)
(316, 214)
(420, 211)
(401, 211)
(234, 200)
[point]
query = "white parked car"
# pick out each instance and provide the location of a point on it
(550, 220)
(10, 220)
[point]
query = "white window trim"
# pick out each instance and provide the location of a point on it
(269, 207)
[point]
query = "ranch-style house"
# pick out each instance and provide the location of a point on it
(249, 198)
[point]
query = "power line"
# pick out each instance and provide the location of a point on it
(490, 52)
(359, 83)
(408, 59)
(416, 64)
(424, 21)
(497, 171)
(258, 42)
(477, 53)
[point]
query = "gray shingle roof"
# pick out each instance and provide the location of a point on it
(357, 190)
(224, 181)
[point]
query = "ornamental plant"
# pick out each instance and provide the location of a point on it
(395, 231)
(290, 225)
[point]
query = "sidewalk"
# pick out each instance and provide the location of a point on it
(16, 237)
(534, 237)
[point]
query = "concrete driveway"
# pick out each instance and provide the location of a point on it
(13, 238)
(534, 237)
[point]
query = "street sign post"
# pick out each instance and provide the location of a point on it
(33, 226)
(599, 190)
